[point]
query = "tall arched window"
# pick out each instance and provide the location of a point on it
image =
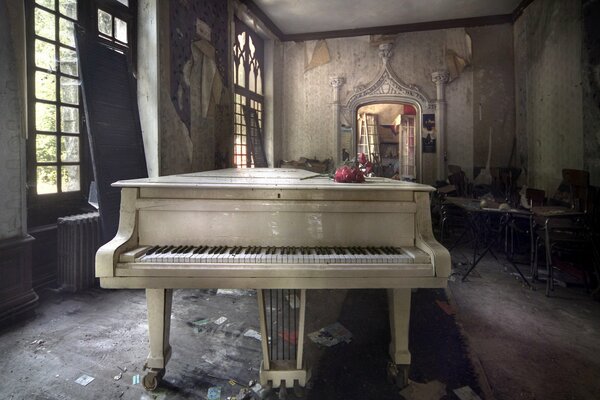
(248, 52)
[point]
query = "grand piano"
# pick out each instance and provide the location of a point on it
(280, 231)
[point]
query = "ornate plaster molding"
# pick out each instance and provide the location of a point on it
(336, 81)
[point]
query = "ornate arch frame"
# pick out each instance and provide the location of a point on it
(387, 88)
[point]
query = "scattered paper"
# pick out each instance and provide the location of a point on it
(84, 380)
(251, 333)
(220, 320)
(214, 393)
(331, 335)
(232, 292)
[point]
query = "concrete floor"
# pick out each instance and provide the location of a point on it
(521, 344)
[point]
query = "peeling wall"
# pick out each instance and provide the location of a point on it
(195, 102)
(12, 143)
(307, 115)
(548, 89)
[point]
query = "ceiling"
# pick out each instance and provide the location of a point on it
(295, 17)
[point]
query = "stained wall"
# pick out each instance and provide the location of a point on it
(548, 68)
(12, 142)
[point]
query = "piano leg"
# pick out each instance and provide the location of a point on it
(159, 324)
(399, 306)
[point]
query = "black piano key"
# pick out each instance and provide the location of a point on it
(151, 250)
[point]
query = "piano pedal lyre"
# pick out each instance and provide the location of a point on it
(282, 314)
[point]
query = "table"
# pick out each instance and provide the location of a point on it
(478, 222)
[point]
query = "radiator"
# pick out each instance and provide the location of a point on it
(78, 241)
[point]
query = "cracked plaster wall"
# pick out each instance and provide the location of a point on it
(547, 40)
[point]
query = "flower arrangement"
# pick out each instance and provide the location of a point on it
(354, 173)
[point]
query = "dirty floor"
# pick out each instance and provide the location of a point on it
(489, 333)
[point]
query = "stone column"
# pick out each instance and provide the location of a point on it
(336, 82)
(440, 78)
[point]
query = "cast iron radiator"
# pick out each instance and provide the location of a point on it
(78, 241)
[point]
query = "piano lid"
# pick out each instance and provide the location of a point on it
(267, 178)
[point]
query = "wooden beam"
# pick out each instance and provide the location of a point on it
(254, 9)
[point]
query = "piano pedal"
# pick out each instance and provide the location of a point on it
(398, 374)
(152, 378)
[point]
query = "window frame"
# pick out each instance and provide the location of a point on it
(45, 208)
(243, 96)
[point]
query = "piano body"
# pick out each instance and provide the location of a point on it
(272, 230)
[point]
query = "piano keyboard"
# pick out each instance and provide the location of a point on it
(275, 255)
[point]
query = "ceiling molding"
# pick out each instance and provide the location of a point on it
(393, 29)
(254, 9)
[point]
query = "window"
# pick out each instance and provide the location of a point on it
(58, 162)
(248, 52)
(54, 99)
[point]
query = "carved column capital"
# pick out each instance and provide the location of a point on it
(440, 77)
(336, 81)
(385, 52)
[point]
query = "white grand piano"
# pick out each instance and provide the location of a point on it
(280, 231)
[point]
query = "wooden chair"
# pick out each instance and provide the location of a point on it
(572, 239)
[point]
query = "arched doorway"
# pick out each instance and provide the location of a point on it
(388, 133)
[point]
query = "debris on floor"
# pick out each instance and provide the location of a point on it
(233, 292)
(251, 333)
(214, 393)
(135, 379)
(466, 393)
(260, 391)
(220, 320)
(446, 307)
(424, 391)
(331, 335)
(84, 380)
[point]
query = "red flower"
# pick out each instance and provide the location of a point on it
(362, 158)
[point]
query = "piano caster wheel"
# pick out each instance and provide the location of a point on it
(152, 379)
(398, 374)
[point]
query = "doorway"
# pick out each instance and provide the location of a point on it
(387, 134)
